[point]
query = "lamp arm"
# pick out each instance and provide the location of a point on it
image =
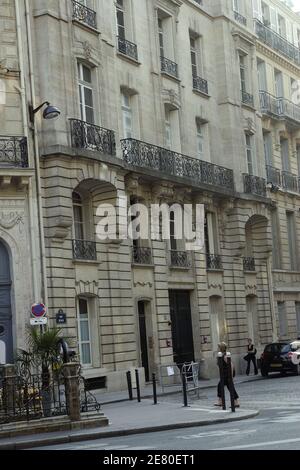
(40, 107)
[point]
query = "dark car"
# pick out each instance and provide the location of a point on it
(277, 357)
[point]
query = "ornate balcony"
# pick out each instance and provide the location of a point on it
(268, 104)
(273, 175)
(255, 185)
(163, 161)
(180, 259)
(84, 15)
(141, 255)
(289, 181)
(247, 98)
(13, 152)
(277, 42)
(169, 67)
(214, 262)
(91, 137)
(249, 264)
(127, 48)
(240, 18)
(84, 250)
(279, 108)
(199, 84)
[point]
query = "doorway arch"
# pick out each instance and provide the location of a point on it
(6, 337)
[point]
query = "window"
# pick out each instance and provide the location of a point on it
(243, 74)
(211, 234)
(120, 19)
(161, 37)
(249, 153)
(193, 56)
(257, 10)
(278, 84)
(84, 332)
(86, 93)
(127, 116)
(285, 158)
(291, 230)
(298, 158)
(200, 140)
(282, 320)
(268, 148)
(294, 90)
(168, 131)
(262, 78)
(78, 217)
(173, 240)
(281, 26)
(265, 14)
(297, 308)
(276, 252)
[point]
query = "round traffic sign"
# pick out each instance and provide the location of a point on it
(38, 310)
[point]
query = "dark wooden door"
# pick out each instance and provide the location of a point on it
(143, 339)
(182, 331)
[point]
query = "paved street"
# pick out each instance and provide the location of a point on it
(277, 426)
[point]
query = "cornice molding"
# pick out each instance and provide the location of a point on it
(277, 57)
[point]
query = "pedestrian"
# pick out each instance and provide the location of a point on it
(223, 349)
(251, 357)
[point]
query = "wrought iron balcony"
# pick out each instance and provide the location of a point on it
(277, 42)
(289, 110)
(268, 104)
(127, 48)
(169, 67)
(213, 262)
(14, 152)
(247, 98)
(180, 259)
(255, 185)
(200, 84)
(84, 14)
(165, 161)
(84, 250)
(249, 264)
(240, 18)
(91, 137)
(273, 175)
(279, 108)
(289, 181)
(141, 255)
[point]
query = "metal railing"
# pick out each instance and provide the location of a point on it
(255, 185)
(249, 264)
(91, 137)
(289, 181)
(200, 84)
(127, 48)
(14, 151)
(141, 255)
(288, 109)
(214, 262)
(84, 250)
(84, 14)
(247, 98)
(240, 18)
(280, 108)
(277, 42)
(180, 259)
(273, 175)
(169, 67)
(144, 155)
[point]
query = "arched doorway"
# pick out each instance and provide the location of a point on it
(6, 339)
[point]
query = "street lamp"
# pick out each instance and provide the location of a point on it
(50, 112)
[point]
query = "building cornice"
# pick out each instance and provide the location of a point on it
(267, 51)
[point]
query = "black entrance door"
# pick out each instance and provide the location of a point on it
(182, 332)
(6, 341)
(143, 339)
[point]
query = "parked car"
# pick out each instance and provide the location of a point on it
(280, 357)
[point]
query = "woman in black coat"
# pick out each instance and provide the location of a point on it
(251, 357)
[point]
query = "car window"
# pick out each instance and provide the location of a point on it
(268, 348)
(286, 348)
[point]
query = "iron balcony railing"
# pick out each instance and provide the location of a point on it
(273, 175)
(268, 103)
(180, 259)
(169, 67)
(14, 151)
(289, 181)
(213, 262)
(127, 48)
(91, 137)
(141, 255)
(279, 108)
(289, 110)
(247, 98)
(144, 155)
(84, 14)
(240, 18)
(200, 84)
(255, 185)
(84, 250)
(249, 264)
(277, 42)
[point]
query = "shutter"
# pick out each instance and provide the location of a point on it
(256, 6)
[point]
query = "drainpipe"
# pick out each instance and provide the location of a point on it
(21, 90)
(271, 296)
(37, 160)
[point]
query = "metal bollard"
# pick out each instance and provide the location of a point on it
(129, 384)
(154, 389)
(138, 390)
(184, 390)
(230, 382)
(221, 370)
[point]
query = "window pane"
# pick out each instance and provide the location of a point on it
(83, 307)
(89, 113)
(87, 74)
(84, 330)
(88, 96)
(86, 354)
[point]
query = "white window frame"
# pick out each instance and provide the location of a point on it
(161, 37)
(82, 86)
(200, 140)
(80, 341)
(127, 115)
(249, 141)
(121, 29)
(81, 221)
(168, 129)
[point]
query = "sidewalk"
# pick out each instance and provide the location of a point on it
(127, 418)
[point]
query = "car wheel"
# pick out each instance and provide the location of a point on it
(264, 372)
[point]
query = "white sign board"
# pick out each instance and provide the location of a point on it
(38, 321)
(170, 371)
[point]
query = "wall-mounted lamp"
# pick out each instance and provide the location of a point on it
(272, 187)
(50, 112)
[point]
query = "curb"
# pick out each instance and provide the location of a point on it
(126, 432)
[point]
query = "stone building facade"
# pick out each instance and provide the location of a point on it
(161, 102)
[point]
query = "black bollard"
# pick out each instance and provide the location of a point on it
(129, 384)
(138, 390)
(154, 389)
(221, 370)
(184, 390)
(230, 383)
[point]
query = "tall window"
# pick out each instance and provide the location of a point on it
(210, 234)
(281, 26)
(243, 73)
(291, 230)
(285, 158)
(249, 153)
(265, 14)
(84, 332)
(120, 19)
(276, 252)
(268, 148)
(161, 37)
(86, 93)
(168, 130)
(200, 139)
(282, 320)
(278, 84)
(127, 116)
(173, 240)
(262, 77)
(193, 56)
(78, 217)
